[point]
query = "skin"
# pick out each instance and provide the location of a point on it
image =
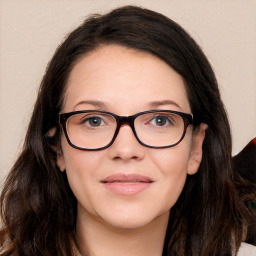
(126, 82)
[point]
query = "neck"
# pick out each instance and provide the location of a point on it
(100, 238)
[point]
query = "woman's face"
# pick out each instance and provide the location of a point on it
(143, 183)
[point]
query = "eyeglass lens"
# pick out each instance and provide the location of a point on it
(96, 130)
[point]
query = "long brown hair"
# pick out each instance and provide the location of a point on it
(37, 206)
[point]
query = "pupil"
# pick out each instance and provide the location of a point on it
(161, 120)
(95, 121)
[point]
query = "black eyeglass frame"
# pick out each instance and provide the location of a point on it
(124, 120)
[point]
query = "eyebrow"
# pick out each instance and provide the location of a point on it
(155, 104)
(96, 103)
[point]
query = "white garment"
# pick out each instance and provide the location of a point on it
(247, 250)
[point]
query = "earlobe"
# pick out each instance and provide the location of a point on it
(197, 149)
(60, 161)
(57, 149)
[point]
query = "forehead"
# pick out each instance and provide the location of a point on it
(118, 75)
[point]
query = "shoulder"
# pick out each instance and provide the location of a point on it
(246, 250)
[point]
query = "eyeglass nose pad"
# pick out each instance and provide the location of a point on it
(126, 136)
(126, 121)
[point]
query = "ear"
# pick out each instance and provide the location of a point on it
(196, 154)
(60, 160)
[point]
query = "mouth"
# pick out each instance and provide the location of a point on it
(127, 184)
(126, 178)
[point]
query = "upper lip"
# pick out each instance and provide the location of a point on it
(124, 177)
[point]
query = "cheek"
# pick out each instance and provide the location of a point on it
(172, 161)
(172, 165)
(79, 162)
(81, 169)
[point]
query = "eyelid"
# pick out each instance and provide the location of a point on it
(165, 115)
(106, 118)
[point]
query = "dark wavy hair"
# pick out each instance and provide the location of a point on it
(38, 207)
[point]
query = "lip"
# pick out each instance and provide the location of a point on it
(127, 184)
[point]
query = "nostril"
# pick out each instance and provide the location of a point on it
(121, 157)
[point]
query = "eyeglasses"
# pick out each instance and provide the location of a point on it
(95, 130)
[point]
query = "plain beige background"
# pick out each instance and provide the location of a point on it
(31, 30)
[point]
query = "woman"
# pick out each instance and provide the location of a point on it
(128, 151)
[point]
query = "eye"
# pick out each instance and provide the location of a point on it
(93, 121)
(161, 120)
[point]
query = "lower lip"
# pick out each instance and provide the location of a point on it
(127, 188)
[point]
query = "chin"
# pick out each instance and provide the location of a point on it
(134, 219)
(129, 223)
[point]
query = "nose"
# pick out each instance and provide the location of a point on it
(126, 146)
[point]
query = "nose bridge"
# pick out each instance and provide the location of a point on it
(126, 121)
(124, 146)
